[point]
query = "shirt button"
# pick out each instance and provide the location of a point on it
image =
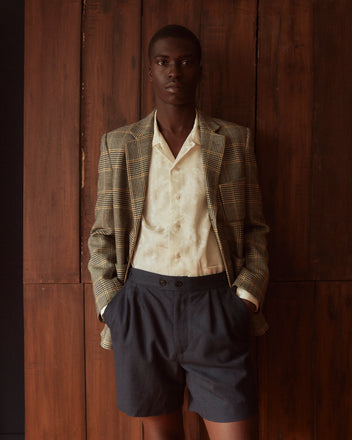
(162, 282)
(178, 255)
(178, 196)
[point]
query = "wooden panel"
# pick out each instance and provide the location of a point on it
(228, 36)
(284, 131)
(285, 359)
(54, 362)
(334, 361)
(104, 420)
(51, 141)
(332, 152)
(110, 89)
(157, 14)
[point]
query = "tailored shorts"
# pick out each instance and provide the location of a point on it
(169, 332)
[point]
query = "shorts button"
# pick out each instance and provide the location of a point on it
(162, 282)
(178, 283)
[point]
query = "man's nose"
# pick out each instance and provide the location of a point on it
(174, 70)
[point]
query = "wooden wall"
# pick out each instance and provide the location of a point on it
(281, 67)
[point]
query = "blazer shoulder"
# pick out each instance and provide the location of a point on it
(122, 135)
(232, 129)
(229, 129)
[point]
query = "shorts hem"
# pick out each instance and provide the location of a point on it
(236, 416)
(139, 413)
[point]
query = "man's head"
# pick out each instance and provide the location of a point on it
(176, 31)
(174, 65)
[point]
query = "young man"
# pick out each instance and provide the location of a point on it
(178, 255)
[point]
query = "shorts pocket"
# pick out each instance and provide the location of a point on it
(240, 310)
(110, 311)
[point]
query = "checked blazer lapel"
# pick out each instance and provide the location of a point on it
(213, 145)
(138, 155)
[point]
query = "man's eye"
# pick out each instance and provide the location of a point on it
(185, 62)
(161, 62)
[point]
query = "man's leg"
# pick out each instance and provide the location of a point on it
(164, 427)
(242, 430)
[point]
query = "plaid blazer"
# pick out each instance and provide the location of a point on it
(233, 198)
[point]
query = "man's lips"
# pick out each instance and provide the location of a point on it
(174, 87)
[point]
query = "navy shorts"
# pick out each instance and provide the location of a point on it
(169, 332)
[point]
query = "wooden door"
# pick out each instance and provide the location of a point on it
(280, 67)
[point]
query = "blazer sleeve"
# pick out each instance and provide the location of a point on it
(101, 242)
(254, 274)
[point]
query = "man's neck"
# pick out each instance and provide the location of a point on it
(175, 124)
(175, 119)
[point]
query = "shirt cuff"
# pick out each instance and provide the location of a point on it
(243, 294)
(102, 311)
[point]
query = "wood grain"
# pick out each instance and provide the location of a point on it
(284, 131)
(104, 420)
(331, 238)
(334, 361)
(54, 360)
(285, 360)
(51, 141)
(110, 89)
(228, 36)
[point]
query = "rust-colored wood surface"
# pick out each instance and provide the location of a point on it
(285, 364)
(51, 141)
(104, 420)
(54, 359)
(334, 361)
(284, 131)
(331, 209)
(110, 89)
(228, 37)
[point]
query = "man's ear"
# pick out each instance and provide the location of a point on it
(150, 74)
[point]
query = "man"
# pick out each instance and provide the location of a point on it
(178, 255)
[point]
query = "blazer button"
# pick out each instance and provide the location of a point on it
(162, 282)
(178, 283)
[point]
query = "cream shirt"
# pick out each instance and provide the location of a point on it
(176, 236)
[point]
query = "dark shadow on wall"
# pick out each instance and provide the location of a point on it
(11, 141)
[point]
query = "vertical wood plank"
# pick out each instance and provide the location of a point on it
(285, 359)
(334, 361)
(54, 362)
(51, 141)
(156, 14)
(110, 89)
(104, 420)
(228, 36)
(284, 131)
(331, 243)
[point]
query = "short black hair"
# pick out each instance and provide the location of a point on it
(175, 31)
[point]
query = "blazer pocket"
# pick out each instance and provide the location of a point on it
(233, 199)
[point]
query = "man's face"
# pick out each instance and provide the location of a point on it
(174, 71)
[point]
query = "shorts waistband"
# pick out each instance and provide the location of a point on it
(178, 283)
